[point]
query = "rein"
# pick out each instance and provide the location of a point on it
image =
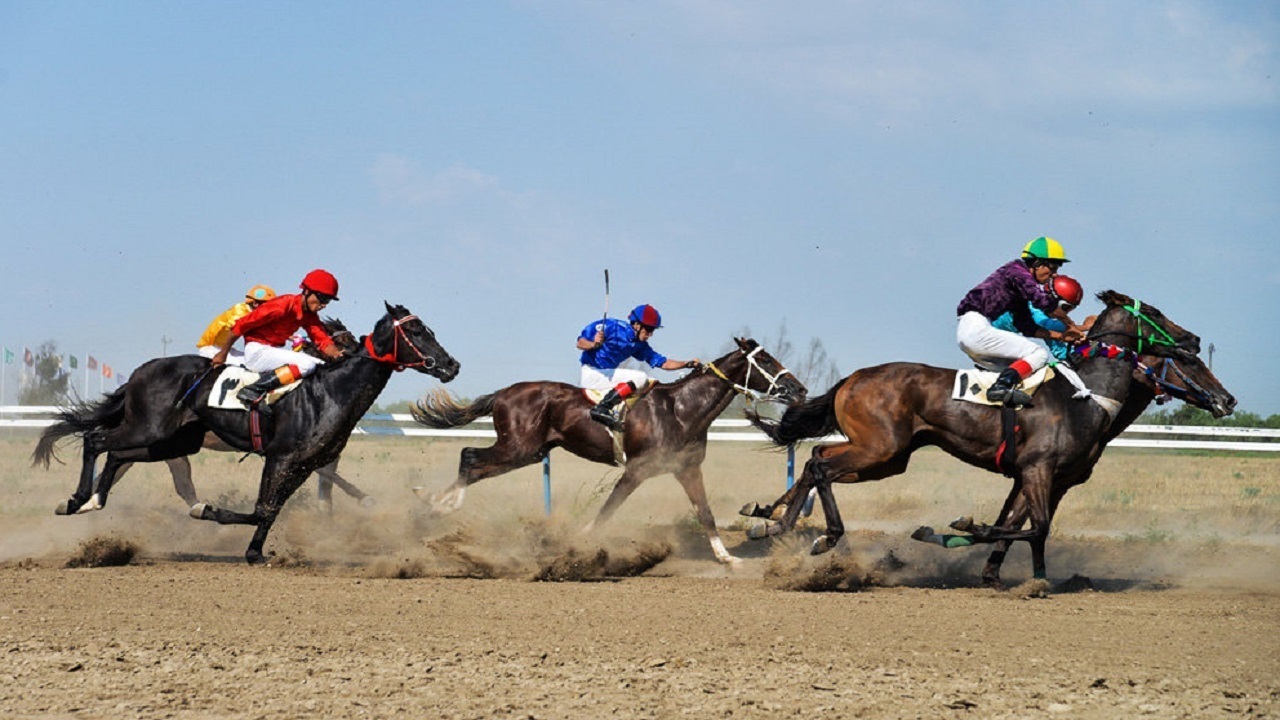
(391, 358)
(744, 389)
(1164, 389)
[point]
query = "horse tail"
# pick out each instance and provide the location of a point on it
(814, 417)
(78, 419)
(441, 410)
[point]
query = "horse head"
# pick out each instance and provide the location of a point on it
(1168, 359)
(752, 370)
(401, 339)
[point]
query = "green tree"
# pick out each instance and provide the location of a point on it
(48, 383)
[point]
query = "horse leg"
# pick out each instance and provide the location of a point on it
(475, 465)
(767, 512)
(690, 478)
(180, 469)
(324, 490)
(84, 489)
(279, 481)
(329, 476)
(835, 526)
(627, 484)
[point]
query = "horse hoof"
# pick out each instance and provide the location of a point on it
(197, 510)
(66, 507)
(750, 510)
(922, 533)
(422, 493)
(758, 531)
(368, 501)
(963, 524)
(254, 557)
(822, 545)
(93, 504)
(731, 562)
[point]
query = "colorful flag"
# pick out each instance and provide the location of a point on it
(106, 370)
(93, 364)
(8, 356)
(27, 357)
(74, 363)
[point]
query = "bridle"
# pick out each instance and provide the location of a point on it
(1157, 336)
(744, 388)
(392, 358)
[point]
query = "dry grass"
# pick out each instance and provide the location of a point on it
(1136, 496)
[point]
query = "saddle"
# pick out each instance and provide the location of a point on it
(231, 379)
(971, 385)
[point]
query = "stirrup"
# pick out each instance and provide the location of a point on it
(605, 417)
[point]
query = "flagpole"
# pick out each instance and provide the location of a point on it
(86, 378)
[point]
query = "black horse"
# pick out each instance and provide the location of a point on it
(162, 412)
(889, 411)
(665, 432)
(180, 467)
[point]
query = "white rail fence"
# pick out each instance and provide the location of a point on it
(1171, 437)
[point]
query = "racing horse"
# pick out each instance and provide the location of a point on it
(180, 467)
(664, 432)
(889, 411)
(163, 412)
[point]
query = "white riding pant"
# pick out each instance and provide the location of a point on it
(265, 358)
(605, 380)
(992, 348)
(234, 357)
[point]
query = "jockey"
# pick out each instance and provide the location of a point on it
(269, 326)
(1069, 294)
(1014, 287)
(606, 344)
(219, 331)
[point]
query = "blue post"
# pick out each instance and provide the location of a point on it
(546, 484)
(791, 466)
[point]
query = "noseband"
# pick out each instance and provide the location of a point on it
(392, 358)
(744, 388)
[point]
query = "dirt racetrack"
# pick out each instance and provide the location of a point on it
(390, 612)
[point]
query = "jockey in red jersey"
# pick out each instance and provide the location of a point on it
(268, 327)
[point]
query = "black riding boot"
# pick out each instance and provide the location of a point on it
(252, 395)
(603, 411)
(1005, 389)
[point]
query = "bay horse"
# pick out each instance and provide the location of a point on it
(889, 411)
(664, 432)
(180, 467)
(163, 412)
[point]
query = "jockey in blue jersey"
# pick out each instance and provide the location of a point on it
(1069, 294)
(606, 344)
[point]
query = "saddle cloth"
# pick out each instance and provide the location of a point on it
(229, 382)
(971, 385)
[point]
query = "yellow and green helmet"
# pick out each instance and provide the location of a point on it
(1044, 248)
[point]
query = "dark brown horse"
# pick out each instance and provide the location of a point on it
(180, 467)
(163, 412)
(889, 411)
(664, 432)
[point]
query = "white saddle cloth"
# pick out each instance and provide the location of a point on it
(229, 382)
(971, 385)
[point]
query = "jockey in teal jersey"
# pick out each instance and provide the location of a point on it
(1069, 294)
(606, 344)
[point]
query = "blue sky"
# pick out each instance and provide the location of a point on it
(846, 169)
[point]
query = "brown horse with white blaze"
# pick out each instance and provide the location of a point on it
(664, 432)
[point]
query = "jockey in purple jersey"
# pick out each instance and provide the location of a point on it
(1015, 287)
(606, 344)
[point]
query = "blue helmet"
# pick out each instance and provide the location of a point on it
(646, 315)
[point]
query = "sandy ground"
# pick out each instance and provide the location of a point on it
(390, 612)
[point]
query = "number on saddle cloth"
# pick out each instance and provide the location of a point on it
(229, 382)
(971, 385)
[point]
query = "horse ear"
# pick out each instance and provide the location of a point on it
(1111, 297)
(742, 343)
(390, 311)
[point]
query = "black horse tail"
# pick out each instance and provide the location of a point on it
(441, 410)
(814, 417)
(79, 419)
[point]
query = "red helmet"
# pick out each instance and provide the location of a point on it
(321, 281)
(1067, 290)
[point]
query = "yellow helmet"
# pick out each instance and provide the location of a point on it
(260, 293)
(1044, 248)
